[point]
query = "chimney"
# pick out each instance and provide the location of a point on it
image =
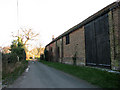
(52, 37)
(118, 1)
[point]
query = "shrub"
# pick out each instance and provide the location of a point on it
(46, 54)
(20, 52)
(42, 57)
(13, 58)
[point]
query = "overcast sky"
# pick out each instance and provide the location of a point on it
(47, 17)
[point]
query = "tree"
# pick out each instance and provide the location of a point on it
(29, 35)
(25, 36)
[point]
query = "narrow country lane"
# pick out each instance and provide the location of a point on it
(42, 76)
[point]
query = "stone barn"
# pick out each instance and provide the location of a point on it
(93, 42)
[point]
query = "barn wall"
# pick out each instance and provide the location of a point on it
(64, 53)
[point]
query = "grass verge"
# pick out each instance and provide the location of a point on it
(11, 77)
(94, 76)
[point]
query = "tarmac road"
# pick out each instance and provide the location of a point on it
(41, 76)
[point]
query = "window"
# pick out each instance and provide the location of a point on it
(67, 39)
(51, 49)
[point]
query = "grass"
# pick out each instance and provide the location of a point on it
(9, 78)
(94, 76)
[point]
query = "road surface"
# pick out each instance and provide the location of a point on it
(41, 76)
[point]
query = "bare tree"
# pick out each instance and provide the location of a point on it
(39, 48)
(29, 35)
(26, 35)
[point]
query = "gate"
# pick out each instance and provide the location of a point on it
(97, 43)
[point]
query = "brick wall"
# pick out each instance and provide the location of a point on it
(77, 44)
(114, 27)
(59, 45)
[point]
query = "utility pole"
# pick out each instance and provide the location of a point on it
(18, 17)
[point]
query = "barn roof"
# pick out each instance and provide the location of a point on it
(89, 19)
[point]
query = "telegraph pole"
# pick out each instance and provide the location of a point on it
(18, 18)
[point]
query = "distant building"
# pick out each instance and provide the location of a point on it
(6, 49)
(1, 49)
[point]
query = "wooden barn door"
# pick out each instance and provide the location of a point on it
(97, 42)
(90, 44)
(102, 41)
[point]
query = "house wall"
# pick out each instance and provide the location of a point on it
(77, 44)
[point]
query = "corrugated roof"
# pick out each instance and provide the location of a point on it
(94, 16)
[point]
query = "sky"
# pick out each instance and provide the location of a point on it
(47, 17)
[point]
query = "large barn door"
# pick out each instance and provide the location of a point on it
(102, 41)
(97, 43)
(90, 44)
